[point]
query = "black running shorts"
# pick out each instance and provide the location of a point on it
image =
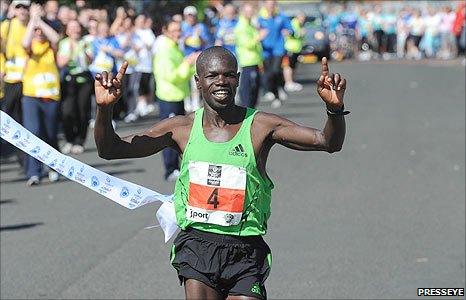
(231, 265)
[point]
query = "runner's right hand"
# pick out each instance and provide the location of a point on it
(108, 89)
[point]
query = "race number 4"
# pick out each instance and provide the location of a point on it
(216, 193)
(213, 198)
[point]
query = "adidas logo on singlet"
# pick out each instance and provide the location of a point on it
(238, 151)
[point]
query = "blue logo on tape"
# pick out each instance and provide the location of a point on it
(94, 181)
(16, 135)
(53, 163)
(124, 192)
(35, 150)
(71, 172)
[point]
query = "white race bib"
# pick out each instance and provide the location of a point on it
(216, 193)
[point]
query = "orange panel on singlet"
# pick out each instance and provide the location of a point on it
(228, 200)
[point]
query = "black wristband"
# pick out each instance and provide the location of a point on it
(340, 112)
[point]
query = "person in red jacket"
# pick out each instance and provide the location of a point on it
(459, 29)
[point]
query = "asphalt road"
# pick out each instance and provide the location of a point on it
(378, 220)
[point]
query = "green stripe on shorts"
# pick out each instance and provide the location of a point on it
(269, 259)
(172, 254)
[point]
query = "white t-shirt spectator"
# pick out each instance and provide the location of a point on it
(432, 23)
(417, 26)
(446, 24)
(128, 43)
(145, 43)
(157, 44)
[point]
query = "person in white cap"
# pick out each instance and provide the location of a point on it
(195, 37)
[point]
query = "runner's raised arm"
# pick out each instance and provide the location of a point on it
(331, 88)
(109, 144)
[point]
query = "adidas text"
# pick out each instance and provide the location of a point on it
(238, 151)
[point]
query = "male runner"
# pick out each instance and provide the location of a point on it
(222, 197)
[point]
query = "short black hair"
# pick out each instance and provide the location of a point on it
(217, 51)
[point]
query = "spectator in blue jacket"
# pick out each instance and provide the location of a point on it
(195, 35)
(277, 26)
(105, 50)
(225, 30)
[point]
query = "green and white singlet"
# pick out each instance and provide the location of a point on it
(220, 189)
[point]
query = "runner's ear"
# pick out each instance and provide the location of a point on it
(196, 78)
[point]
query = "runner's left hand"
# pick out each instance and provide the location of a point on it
(331, 87)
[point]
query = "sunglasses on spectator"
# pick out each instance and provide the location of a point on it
(22, 6)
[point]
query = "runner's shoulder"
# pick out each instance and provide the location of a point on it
(180, 120)
(182, 129)
(173, 124)
(268, 121)
(182, 124)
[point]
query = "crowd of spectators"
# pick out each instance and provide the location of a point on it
(399, 29)
(50, 54)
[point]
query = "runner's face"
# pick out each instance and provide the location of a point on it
(217, 81)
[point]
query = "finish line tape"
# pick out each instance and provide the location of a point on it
(123, 192)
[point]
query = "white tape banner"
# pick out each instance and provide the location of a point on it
(125, 193)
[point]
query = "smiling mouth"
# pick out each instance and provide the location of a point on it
(221, 93)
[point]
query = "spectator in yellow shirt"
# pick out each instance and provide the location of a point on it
(2, 75)
(41, 88)
(11, 35)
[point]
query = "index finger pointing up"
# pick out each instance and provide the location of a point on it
(122, 71)
(324, 71)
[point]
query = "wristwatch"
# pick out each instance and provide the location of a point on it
(339, 112)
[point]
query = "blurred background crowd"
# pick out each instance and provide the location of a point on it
(51, 50)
